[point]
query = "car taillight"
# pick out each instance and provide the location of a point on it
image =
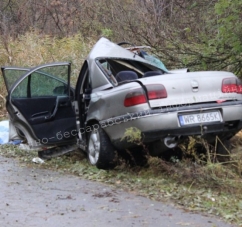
(137, 96)
(232, 85)
(156, 91)
(134, 98)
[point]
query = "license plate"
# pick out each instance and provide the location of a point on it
(189, 119)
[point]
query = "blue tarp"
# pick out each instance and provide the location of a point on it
(4, 132)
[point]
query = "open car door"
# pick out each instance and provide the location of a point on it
(39, 102)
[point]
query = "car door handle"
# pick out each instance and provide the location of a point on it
(60, 101)
(39, 114)
(39, 117)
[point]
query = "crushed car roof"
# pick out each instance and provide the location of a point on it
(104, 48)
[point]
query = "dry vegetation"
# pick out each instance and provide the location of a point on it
(213, 188)
(204, 35)
(33, 49)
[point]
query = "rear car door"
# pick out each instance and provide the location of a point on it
(39, 102)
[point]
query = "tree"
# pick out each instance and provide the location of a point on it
(228, 40)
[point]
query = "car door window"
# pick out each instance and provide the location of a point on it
(11, 75)
(21, 90)
(42, 85)
(43, 82)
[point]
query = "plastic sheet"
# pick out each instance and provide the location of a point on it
(4, 132)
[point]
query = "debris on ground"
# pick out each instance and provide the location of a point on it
(38, 160)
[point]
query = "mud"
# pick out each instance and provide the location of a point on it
(34, 197)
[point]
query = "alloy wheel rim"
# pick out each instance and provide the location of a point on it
(94, 147)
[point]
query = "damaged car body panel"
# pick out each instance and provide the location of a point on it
(117, 89)
(192, 106)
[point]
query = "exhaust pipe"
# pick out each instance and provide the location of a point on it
(171, 142)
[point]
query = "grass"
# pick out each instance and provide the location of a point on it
(213, 188)
(193, 184)
(33, 49)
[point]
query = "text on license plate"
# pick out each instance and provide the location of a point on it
(196, 118)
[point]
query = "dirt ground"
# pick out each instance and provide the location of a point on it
(33, 197)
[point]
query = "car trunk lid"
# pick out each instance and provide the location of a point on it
(191, 88)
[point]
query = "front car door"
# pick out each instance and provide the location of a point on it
(39, 103)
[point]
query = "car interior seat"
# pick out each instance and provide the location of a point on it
(124, 76)
(60, 90)
(152, 73)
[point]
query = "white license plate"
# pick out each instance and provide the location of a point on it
(197, 118)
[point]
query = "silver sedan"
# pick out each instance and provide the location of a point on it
(119, 89)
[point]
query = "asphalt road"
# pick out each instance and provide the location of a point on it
(42, 198)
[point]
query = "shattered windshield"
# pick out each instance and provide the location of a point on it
(155, 61)
(148, 57)
(111, 67)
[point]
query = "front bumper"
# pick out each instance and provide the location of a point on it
(156, 124)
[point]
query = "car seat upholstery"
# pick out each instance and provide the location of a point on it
(152, 73)
(60, 90)
(124, 76)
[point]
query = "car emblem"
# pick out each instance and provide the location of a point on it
(194, 85)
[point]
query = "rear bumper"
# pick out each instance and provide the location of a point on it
(219, 128)
(156, 124)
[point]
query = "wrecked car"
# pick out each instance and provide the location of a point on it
(119, 88)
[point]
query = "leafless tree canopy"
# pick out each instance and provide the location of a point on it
(63, 17)
(174, 28)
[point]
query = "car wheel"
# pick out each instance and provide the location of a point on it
(101, 152)
(223, 151)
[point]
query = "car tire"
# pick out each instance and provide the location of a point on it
(100, 150)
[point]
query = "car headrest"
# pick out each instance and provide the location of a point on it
(60, 90)
(152, 73)
(126, 76)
